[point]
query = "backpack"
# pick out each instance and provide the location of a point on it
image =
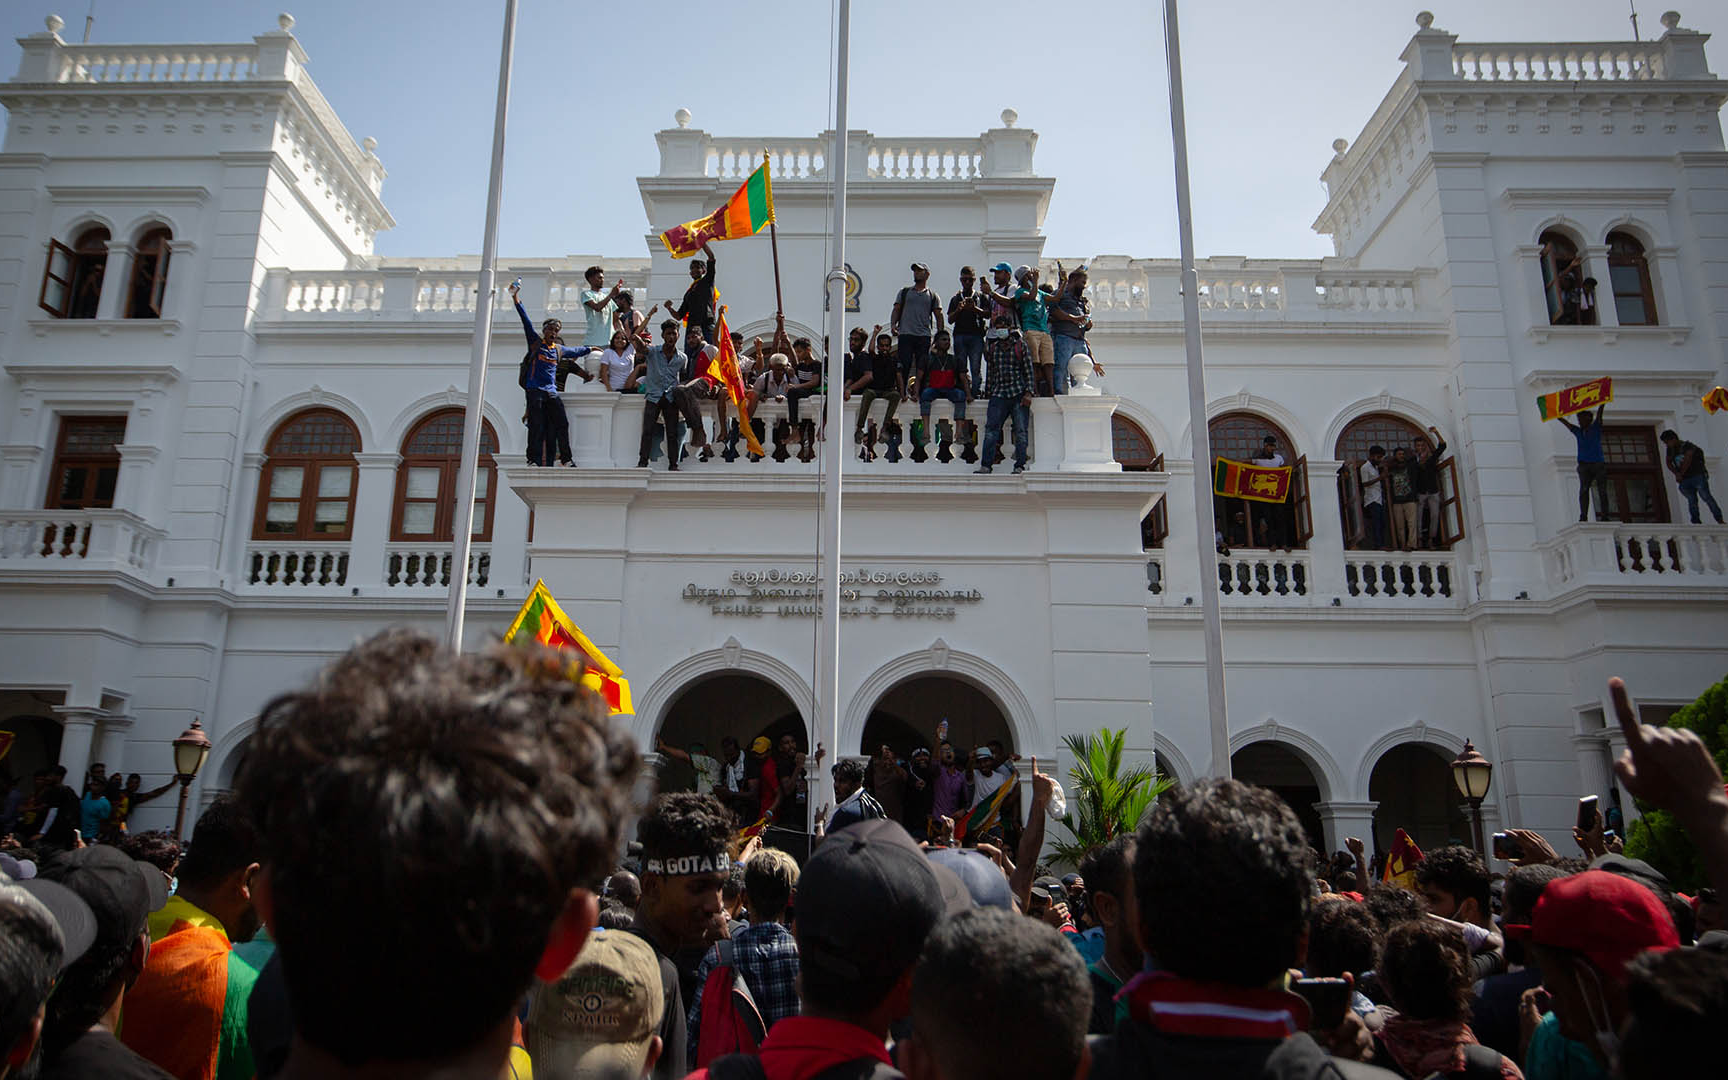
(747, 1067)
(731, 1022)
(525, 370)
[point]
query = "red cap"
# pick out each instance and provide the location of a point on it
(1608, 918)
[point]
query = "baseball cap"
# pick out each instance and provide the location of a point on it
(1049, 888)
(983, 880)
(596, 1021)
(15, 868)
(1636, 869)
(955, 896)
(760, 745)
(1607, 918)
(866, 901)
(77, 925)
(921, 266)
(1002, 266)
(120, 891)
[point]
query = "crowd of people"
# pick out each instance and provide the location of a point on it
(439, 847)
(44, 811)
(1001, 341)
(1401, 496)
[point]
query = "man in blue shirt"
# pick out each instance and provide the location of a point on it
(548, 425)
(1592, 466)
(663, 399)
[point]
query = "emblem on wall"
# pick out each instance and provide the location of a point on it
(854, 291)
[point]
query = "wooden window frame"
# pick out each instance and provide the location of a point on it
(1350, 484)
(312, 466)
(1646, 287)
(56, 248)
(1451, 501)
(64, 459)
(1154, 459)
(1155, 526)
(1301, 524)
(1350, 504)
(1553, 301)
(1655, 472)
(158, 284)
(448, 465)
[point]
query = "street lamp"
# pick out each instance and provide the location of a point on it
(190, 750)
(1471, 772)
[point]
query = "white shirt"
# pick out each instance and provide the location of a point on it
(1276, 460)
(707, 773)
(772, 385)
(618, 366)
(985, 784)
(1367, 474)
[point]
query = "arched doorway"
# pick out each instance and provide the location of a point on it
(731, 703)
(1277, 767)
(35, 735)
(1251, 523)
(1412, 782)
(906, 717)
(1135, 452)
(1390, 432)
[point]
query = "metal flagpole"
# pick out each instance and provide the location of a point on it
(463, 528)
(828, 677)
(1205, 537)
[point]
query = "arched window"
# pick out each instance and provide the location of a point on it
(307, 490)
(426, 481)
(1390, 432)
(1248, 523)
(1629, 274)
(1571, 301)
(72, 281)
(149, 275)
(1133, 450)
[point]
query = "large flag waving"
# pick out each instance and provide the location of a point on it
(1262, 483)
(542, 620)
(1401, 862)
(1576, 398)
(723, 369)
(978, 820)
(749, 209)
(1716, 400)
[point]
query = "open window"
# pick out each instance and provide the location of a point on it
(1357, 484)
(1629, 274)
(1569, 290)
(86, 466)
(1637, 489)
(149, 275)
(307, 488)
(426, 480)
(1247, 523)
(72, 280)
(1133, 450)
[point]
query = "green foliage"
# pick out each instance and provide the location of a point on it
(1656, 837)
(1104, 800)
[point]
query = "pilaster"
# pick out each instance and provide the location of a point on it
(374, 503)
(77, 738)
(111, 741)
(1340, 820)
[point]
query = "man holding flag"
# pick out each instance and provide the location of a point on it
(1592, 464)
(697, 309)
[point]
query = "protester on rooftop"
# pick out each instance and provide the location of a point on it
(942, 376)
(1425, 471)
(969, 313)
(763, 953)
(1592, 463)
(548, 424)
(663, 400)
(1686, 461)
(476, 798)
(1373, 483)
(600, 307)
(916, 318)
(1032, 302)
(1009, 391)
(1070, 319)
(808, 378)
(620, 371)
(698, 306)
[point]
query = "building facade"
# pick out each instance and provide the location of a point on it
(228, 435)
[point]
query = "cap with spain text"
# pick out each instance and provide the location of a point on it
(597, 1020)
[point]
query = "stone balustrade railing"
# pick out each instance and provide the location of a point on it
(427, 565)
(1151, 290)
(788, 159)
(1608, 553)
(1402, 577)
(1566, 62)
(1272, 575)
(294, 565)
(925, 159)
(410, 293)
(156, 63)
(78, 540)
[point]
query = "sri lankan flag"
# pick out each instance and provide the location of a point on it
(1401, 862)
(977, 821)
(723, 369)
(1573, 399)
(1240, 480)
(6, 738)
(744, 214)
(542, 620)
(1716, 400)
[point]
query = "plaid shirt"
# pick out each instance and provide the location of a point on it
(1010, 373)
(767, 956)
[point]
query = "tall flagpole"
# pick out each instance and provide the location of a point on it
(463, 528)
(828, 677)
(1205, 537)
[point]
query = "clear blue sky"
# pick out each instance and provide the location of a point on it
(1269, 86)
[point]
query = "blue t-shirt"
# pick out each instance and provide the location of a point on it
(1552, 1056)
(1589, 444)
(95, 813)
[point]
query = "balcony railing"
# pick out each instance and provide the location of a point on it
(79, 540)
(296, 566)
(1151, 289)
(1269, 575)
(1403, 577)
(1561, 62)
(427, 566)
(1677, 556)
(408, 293)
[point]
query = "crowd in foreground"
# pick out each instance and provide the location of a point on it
(433, 843)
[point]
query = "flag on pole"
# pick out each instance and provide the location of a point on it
(1576, 398)
(1401, 862)
(1717, 399)
(978, 820)
(542, 620)
(746, 213)
(1261, 483)
(723, 369)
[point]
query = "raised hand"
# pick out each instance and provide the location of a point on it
(1670, 768)
(1043, 787)
(1536, 849)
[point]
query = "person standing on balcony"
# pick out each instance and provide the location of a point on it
(1592, 465)
(1032, 302)
(1401, 482)
(1010, 392)
(698, 387)
(969, 313)
(662, 400)
(1427, 476)
(917, 317)
(600, 305)
(1278, 517)
(1686, 462)
(1070, 318)
(548, 425)
(1000, 293)
(697, 308)
(1373, 486)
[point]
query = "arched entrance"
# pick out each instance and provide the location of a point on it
(907, 715)
(35, 734)
(1412, 782)
(725, 703)
(1277, 767)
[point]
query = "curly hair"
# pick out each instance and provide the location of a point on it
(425, 815)
(1459, 872)
(848, 770)
(1222, 879)
(1425, 968)
(685, 823)
(1391, 905)
(1342, 937)
(155, 847)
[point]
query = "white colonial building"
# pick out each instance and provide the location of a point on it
(228, 436)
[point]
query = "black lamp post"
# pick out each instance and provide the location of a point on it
(190, 750)
(1471, 772)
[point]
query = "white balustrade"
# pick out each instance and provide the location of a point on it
(564, 289)
(1118, 293)
(427, 566)
(788, 159)
(1595, 553)
(1370, 294)
(1609, 61)
(924, 159)
(1404, 577)
(453, 292)
(80, 539)
(157, 63)
(344, 291)
(296, 565)
(1251, 293)
(1279, 575)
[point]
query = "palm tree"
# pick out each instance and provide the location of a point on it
(1105, 799)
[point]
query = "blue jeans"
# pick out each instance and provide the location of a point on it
(1004, 408)
(953, 394)
(970, 349)
(1694, 486)
(1066, 347)
(1374, 517)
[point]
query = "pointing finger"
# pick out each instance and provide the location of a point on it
(1625, 712)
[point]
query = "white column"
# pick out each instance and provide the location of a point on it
(77, 736)
(1045, 446)
(1339, 820)
(116, 272)
(1326, 546)
(111, 742)
(251, 470)
(180, 254)
(1596, 266)
(374, 502)
(1183, 579)
(18, 481)
(132, 491)
(590, 408)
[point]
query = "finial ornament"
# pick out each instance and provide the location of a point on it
(370, 144)
(1670, 20)
(54, 23)
(682, 116)
(1009, 117)
(1340, 145)
(1424, 19)
(285, 21)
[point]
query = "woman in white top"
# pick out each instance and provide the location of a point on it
(618, 367)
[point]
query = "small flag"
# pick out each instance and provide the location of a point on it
(749, 831)
(542, 620)
(744, 214)
(1717, 399)
(1402, 861)
(6, 738)
(723, 369)
(1262, 483)
(978, 820)
(1576, 398)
